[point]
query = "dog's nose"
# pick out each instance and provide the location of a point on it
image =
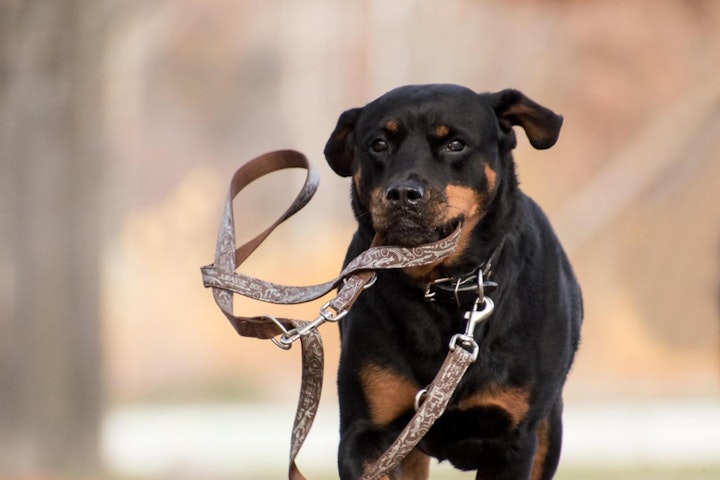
(407, 192)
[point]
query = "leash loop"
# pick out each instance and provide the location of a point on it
(358, 275)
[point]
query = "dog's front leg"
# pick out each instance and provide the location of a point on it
(512, 461)
(360, 445)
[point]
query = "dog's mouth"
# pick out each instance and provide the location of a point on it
(407, 231)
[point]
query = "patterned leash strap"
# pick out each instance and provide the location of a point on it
(222, 277)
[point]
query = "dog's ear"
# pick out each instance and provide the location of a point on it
(541, 125)
(338, 149)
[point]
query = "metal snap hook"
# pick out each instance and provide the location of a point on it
(473, 317)
(329, 314)
(476, 316)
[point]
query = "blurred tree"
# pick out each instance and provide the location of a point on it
(50, 146)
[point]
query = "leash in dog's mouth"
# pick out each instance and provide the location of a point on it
(445, 230)
(412, 231)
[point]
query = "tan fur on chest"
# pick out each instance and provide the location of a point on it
(388, 393)
(514, 401)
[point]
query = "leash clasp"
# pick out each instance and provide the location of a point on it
(288, 337)
(476, 315)
(328, 313)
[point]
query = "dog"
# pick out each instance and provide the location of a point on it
(425, 159)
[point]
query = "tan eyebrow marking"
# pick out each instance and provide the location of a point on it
(441, 131)
(491, 176)
(392, 126)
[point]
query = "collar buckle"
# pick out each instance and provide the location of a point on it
(465, 289)
(459, 290)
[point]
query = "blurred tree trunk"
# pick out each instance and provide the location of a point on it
(50, 151)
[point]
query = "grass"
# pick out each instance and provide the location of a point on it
(641, 473)
(565, 473)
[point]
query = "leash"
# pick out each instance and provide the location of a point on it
(359, 274)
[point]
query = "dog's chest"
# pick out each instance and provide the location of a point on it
(485, 411)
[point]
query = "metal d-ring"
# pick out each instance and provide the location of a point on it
(283, 342)
(372, 281)
(481, 284)
(457, 289)
(420, 397)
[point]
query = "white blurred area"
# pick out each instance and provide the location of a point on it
(252, 440)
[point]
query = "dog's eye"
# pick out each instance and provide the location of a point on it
(456, 145)
(379, 145)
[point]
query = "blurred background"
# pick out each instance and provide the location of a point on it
(121, 124)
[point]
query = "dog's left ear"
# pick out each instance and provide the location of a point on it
(339, 151)
(541, 125)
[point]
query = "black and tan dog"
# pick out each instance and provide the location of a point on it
(424, 159)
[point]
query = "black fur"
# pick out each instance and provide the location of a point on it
(424, 158)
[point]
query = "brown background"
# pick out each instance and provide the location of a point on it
(122, 122)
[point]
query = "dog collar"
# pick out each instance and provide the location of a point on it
(465, 289)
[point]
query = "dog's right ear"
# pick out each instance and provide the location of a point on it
(339, 150)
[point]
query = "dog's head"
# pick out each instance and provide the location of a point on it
(424, 158)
